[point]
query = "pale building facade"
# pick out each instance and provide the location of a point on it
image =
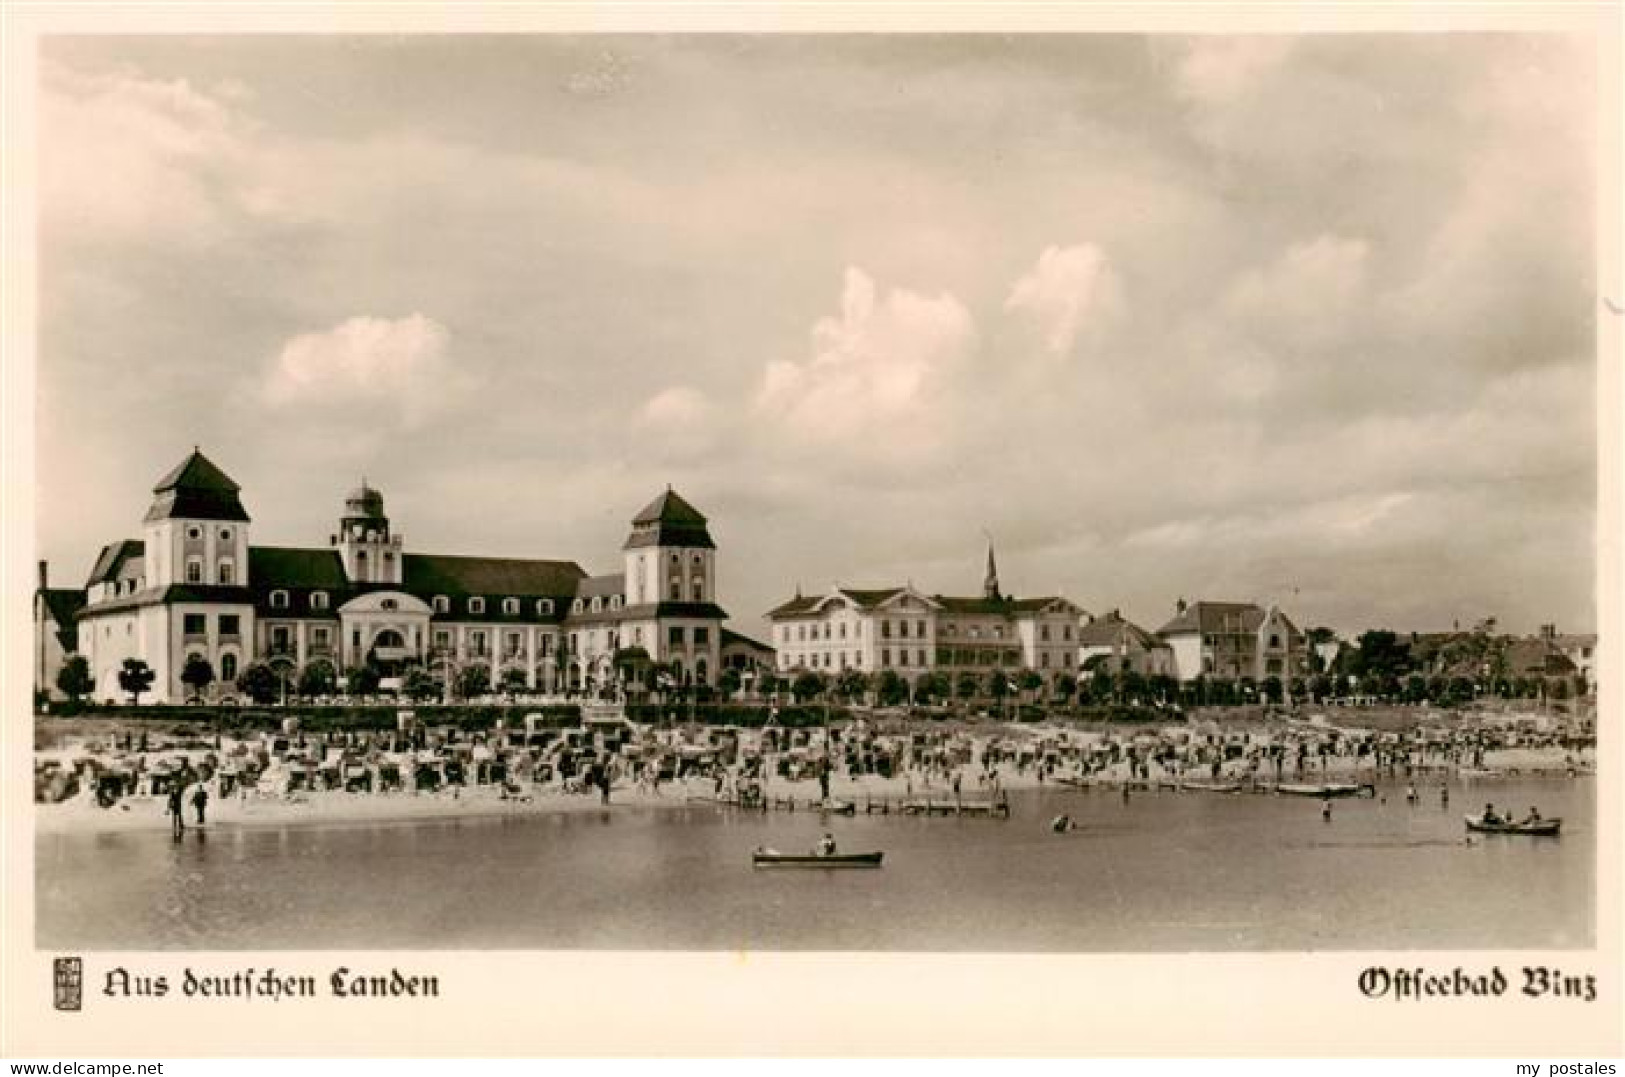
(912, 634)
(1232, 640)
(193, 585)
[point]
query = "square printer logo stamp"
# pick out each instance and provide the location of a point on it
(67, 982)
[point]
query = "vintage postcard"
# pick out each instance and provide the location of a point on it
(632, 531)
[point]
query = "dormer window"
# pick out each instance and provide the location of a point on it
(442, 604)
(318, 600)
(615, 602)
(576, 606)
(476, 605)
(544, 607)
(510, 606)
(279, 600)
(597, 604)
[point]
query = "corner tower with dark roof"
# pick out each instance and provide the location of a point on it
(670, 588)
(196, 530)
(670, 556)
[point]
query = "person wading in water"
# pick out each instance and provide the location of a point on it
(177, 809)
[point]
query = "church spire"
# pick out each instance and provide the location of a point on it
(990, 583)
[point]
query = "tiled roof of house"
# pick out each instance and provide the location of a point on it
(1208, 617)
(179, 592)
(730, 638)
(63, 604)
(967, 605)
(869, 598)
(794, 606)
(668, 520)
(1113, 630)
(426, 575)
(113, 559)
(284, 567)
(602, 586)
(196, 490)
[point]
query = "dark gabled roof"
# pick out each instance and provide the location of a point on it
(113, 558)
(730, 638)
(963, 604)
(601, 586)
(701, 610)
(1113, 630)
(293, 568)
(427, 575)
(794, 606)
(62, 605)
(1037, 605)
(870, 598)
(196, 490)
(153, 596)
(668, 520)
(1208, 617)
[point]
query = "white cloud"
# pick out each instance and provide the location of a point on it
(124, 156)
(1310, 296)
(681, 422)
(880, 372)
(400, 363)
(1069, 288)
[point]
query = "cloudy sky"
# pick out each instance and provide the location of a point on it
(1296, 319)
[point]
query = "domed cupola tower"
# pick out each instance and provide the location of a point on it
(370, 553)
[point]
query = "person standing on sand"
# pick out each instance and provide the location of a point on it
(1326, 810)
(200, 800)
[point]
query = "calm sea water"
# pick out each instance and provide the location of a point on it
(1161, 872)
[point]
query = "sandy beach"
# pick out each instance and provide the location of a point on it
(82, 814)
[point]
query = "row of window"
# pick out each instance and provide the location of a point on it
(282, 639)
(195, 533)
(197, 624)
(225, 571)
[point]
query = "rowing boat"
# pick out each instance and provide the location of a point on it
(1323, 791)
(1539, 828)
(1210, 787)
(768, 858)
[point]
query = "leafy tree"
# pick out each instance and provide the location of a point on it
(934, 687)
(472, 681)
(419, 685)
(998, 684)
(890, 689)
(318, 678)
(1272, 689)
(197, 674)
(259, 682)
(851, 685)
(1030, 681)
(966, 687)
(362, 680)
(729, 682)
(74, 679)
(512, 681)
(1131, 684)
(136, 678)
(1065, 687)
(809, 684)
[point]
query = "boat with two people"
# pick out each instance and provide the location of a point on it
(1489, 821)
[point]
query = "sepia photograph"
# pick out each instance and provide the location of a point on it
(897, 493)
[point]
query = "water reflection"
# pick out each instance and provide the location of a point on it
(1160, 871)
